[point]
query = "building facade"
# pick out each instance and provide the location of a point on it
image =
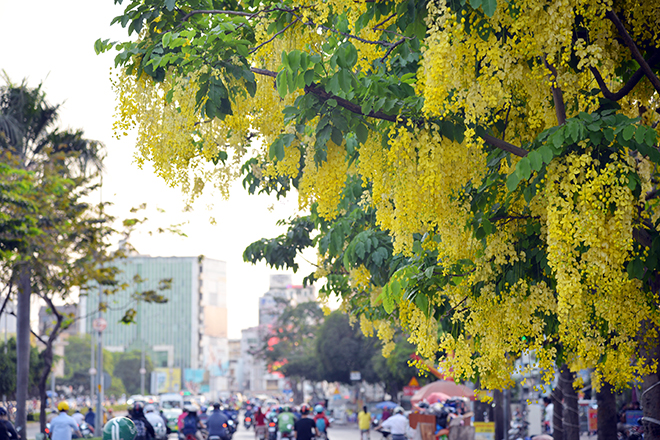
(255, 377)
(187, 335)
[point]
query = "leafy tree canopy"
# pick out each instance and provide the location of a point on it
(503, 154)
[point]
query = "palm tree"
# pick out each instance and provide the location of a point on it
(29, 141)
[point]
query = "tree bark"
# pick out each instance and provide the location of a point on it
(606, 413)
(571, 419)
(558, 413)
(23, 348)
(650, 399)
(500, 423)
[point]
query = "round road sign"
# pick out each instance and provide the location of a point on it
(99, 324)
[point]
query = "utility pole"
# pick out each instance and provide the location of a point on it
(99, 325)
(4, 396)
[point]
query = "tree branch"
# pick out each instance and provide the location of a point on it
(627, 88)
(4, 303)
(274, 36)
(355, 108)
(637, 56)
(557, 95)
(217, 11)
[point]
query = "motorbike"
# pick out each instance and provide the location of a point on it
(247, 422)
(272, 430)
(86, 430)
(231, 427)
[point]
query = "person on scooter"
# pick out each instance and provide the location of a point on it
(63, 426)
(322, 422)
(259, 424)
(217, 423)
(305, 428)
(396, 425)
(90, 418)
(191, 425)
(156, 421)
(145, 430)
(9, 430)
(119, 428)
(285, 422)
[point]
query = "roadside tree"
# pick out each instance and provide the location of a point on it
(509, 149)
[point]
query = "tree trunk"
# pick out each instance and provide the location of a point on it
(298, 394)
(557, 413)
(47, 356)
(571, 422)
(606, 413)
(650, 399)
(23, 348)
(500, 423)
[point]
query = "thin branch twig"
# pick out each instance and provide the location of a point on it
(274, 36)
(634, 50)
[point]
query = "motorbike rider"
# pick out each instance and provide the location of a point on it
(90, 418)
(259, 423)
(285, 422)
(396, 425)
(119, 428)
(305, 428)
(145, 430)
(156, 421)
(63, 426)
(78, 417)
(7, 430)
(217, 423)
(191, 424)
(165, 422)
(322, 422)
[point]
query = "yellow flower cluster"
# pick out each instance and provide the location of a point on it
(589, 213)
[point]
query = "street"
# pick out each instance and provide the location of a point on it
(342, 432)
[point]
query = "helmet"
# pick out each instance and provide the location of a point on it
(216, 405)
(286, 408)
(149, 408)
(190, 408)
(398, 410)
(318, 409)
(3, 411)
(119, 428)
(203, 409)
(304, 409)
(138, 407)
(63, 406)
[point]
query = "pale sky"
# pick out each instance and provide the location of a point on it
(53, 42)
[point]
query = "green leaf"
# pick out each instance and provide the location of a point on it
(309, 77)
(475, 3)
(650, 138)
(512, 181)
(640, 134)
(628, 132)
(362, 133)
(422, 301)
(536, 160)
(609, 134)
(489, 7)
(281, 82)
(524, 168)
(169, 4)
(294, 60)
(276, 150)
(546, 153)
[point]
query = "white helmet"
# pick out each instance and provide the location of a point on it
(398, 410)
(149, 408)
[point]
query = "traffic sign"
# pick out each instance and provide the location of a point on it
(99, 324)
(355, 376)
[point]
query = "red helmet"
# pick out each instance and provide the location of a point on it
(304, 409)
